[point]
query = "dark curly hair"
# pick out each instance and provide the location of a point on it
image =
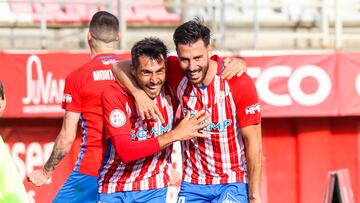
(152, 47)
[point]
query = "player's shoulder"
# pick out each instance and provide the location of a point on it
(80, 72)
(112, 89)
(115, 91)
(241, 81)
(173, 60)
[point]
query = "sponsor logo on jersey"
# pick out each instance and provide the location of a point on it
(213, 127)
(253, 109)
(218, 127)
(221, 98)
(67, 98)
(154, 132)
(117, 118)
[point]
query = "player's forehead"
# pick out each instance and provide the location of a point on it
(150, 64)
(192, 50)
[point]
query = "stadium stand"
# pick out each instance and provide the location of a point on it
(22, 10)
(155, 12)
(7, 16)
(290, 19)
(267, 14)
(83, 11)
(352, 15)
(54, 13)
(302, 12)
(67, 12)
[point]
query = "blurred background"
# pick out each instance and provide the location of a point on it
(304, 58)
(236, 24)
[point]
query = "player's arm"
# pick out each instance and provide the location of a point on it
(61, 147)
(230, 66)
(147, 108)
(248, 114)
(187, 129)
(253, 146)
(118, 129)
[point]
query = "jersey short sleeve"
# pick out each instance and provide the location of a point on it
(72, 94)
(246, 100)
(115, 116)
(174, 74)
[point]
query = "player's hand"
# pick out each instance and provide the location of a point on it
(189, 126)
(254, 197)
(233, 66)
(175, 178)
(147, 108)
(254, 200)
(38, 177)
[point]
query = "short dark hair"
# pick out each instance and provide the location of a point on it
(152, 47)
(104, 26)
(191, 31)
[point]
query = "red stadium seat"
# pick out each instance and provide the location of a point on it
(22, 10)
(84, 11)
(7, 16)
(156, 12)
(67, 11)
(55, 12)
(130, 15)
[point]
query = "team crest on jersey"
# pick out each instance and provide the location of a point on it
(221, 98)
(117, 118)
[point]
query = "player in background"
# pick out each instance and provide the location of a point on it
(226, 167)
(137, 164)
(82, 105)
(11, 186)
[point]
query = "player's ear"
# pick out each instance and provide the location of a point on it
(117, 38)
(210, 49)
(133, 70)
(89, 36)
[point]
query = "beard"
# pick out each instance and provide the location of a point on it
(198, 79)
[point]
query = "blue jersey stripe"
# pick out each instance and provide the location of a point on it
(107, 155)
(84, 140)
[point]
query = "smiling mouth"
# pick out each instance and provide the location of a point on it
(152, 88)
(194, 74)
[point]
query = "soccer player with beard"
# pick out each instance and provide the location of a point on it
(136, 167)
(227, 166)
